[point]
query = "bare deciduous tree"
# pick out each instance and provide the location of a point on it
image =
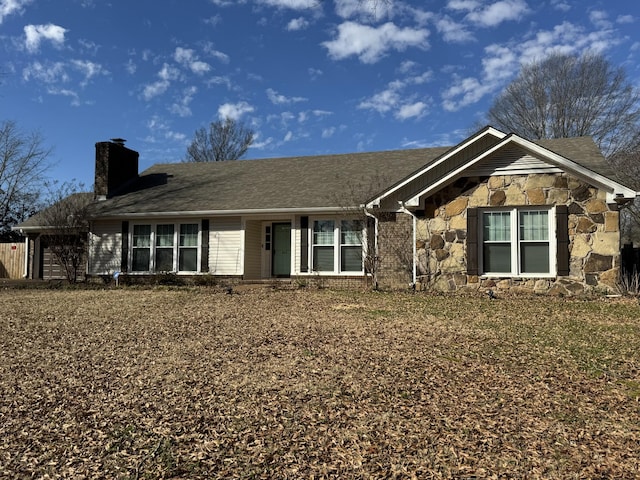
(224, 140)
(569, 96)
(67, 224)
(23, 161)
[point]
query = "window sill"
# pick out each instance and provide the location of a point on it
(490, 276)
(330, 274)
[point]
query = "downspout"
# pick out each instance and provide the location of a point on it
(26, 255)
(375, 244)
(415, 253)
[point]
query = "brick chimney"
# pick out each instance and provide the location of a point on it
(116, 165)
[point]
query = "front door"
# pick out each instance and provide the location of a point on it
(281, 250)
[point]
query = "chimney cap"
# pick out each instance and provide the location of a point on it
(119, 141)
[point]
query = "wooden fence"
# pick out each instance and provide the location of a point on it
(12, 260)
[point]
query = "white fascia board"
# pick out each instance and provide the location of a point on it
(489, 131)
(612, 187)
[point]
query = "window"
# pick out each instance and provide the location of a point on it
(188, 248)
(351, 246)
(516, 242)
(323, 242)
(141, 245)
(165, 247)
(337, 246)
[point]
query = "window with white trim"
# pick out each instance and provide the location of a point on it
(188, 248)
(516, 241)
(336, 246)
(141, 248)
(165, 247)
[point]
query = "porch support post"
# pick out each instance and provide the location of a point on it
(413, 247)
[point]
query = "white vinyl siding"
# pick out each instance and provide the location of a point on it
(105, 247)
(225, 246)
(253, 253)
(511, 160)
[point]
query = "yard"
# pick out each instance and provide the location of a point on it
(192, 383)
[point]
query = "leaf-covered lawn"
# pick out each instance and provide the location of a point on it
(186, 383)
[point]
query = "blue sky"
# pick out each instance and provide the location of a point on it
(308, 76)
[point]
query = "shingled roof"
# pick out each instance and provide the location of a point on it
(282, 183)
(294, 183)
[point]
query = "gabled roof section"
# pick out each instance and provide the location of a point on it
(577, 156)
(38, 221)
(464, 151)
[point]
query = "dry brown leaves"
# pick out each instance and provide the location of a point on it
(316, 384)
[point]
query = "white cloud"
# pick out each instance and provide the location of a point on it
(183, 55)
(299, 23)
(218, 55)
(234, 110)
(278, 99)
(600, 18)
(292, 4)
(36, 33)
(220, 80)
(498, 12)
(370, 44)
(394, 99)
(314, 73)
(227, 3)
(363, 9)
(502, 62)
(181, 107)
(213, 21)
(382, 102)
(89, 69)
(492, 14)
(288, 137)
(9, 7)
(407, 66)
(328, 132)
(561, 5)
(188, 59)
(48, 73)
(417, 109)
(468, 5)
(167, 74)
(452, 31)
(259, 144)
(65, 92)
(131, 67)
(199, 68)
(154, 89)
(625, 19)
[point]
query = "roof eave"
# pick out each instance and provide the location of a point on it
(231, 212)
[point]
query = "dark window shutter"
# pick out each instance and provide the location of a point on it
(124, 259)
(472, 241)
(204, 246)
(304, 244)
(562, 233)
(371, 242)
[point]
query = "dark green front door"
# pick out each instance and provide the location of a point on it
(281, 250)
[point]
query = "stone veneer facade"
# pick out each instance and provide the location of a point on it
(594, 235)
